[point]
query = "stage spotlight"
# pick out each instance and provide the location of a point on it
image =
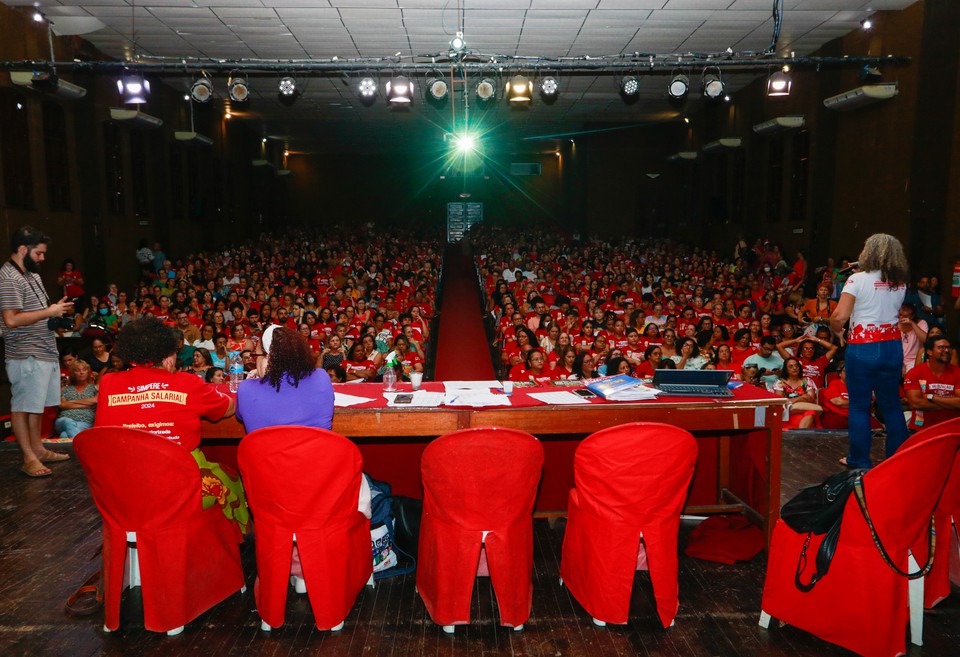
(712, 85)
(399, 90)
(367, 89)
(678, 87)
(457, 43)
(238, 90)
(201, 91)
(134, 89)
(465, 143)
(519, 89)
(486, 89)
(549, 87)
(437, 87)
(866, 24)
(629, 86)
(779, 84)
(287, 92)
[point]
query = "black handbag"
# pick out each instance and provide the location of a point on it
(819, 510)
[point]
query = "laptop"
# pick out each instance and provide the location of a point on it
(693, 383)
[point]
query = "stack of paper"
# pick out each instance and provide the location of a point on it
(623, 387)
(558, 397)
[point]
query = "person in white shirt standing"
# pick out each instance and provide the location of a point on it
(871, 301)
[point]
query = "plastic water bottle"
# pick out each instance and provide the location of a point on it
(389, 379)
(236, 371)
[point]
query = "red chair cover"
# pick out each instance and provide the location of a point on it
(189, 557)
(936, 587)
(306, 481)
(861, 604)
(478, 480)
(629, 479)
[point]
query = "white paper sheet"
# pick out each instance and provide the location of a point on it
(475, 398)
(342, 400)
(558, 398)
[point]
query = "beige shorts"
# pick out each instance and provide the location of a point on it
(35, 384)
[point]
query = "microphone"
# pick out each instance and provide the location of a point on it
(852, 265)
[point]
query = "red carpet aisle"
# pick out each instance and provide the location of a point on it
(462, 352)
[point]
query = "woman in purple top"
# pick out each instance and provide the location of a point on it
(288, 389)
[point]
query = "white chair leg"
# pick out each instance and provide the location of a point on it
(449, 629)
(337, 628)
(764, 619)
(299, 584)
(561, 582)
(915, 589)
(518, 628)
(371, 584)
(243, 589)
(175, 631)
(264, 626)
(107, 629)
(599, 623)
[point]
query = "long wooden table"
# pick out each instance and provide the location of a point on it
(739, 440)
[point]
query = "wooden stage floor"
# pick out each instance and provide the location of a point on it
(49, 539)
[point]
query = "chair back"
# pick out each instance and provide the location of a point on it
(900, 512)
(300, 477)
(139, 481)
(482, 478)
(636, 470)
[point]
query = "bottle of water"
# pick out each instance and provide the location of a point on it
(389, 379)
(236, 371)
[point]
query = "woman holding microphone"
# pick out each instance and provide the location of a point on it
(871, 301)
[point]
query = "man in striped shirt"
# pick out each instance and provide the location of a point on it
(30, 348)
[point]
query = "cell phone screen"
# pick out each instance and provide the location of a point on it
(584, 393)
(403, 398)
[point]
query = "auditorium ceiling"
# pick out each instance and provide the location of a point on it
(503, 33)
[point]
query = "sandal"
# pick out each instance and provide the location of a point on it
(50, 456)
(36, 469)
(88, 599)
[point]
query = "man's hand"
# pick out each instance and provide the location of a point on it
(61, 308)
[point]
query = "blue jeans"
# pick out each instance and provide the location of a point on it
(874, 369)
(66, 427)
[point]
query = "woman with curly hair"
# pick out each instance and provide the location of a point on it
(287, 388)
(171, 404)
(871, 301)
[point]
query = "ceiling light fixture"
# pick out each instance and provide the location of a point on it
(400, 90)
(457, 43)
(866, 24)
(678, 87)
(201, 91)
(779, 84)
(486, 89)
(712, 85)
(238, 89)
(519, 89)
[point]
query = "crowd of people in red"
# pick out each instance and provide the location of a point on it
(358, 298)
(572, 310)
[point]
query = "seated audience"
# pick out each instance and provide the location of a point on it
(78, 403)
(933, 388)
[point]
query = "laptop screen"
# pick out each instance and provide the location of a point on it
(717, 378)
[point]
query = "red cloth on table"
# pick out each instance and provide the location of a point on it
(189, 557)
(306, 481)
(478, 480)
(629, 479)
(862, 604)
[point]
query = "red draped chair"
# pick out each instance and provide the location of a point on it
(936, 585)
(304, 482)
(479, 487)
(148, 492)
(630, 480)
(862, 604)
